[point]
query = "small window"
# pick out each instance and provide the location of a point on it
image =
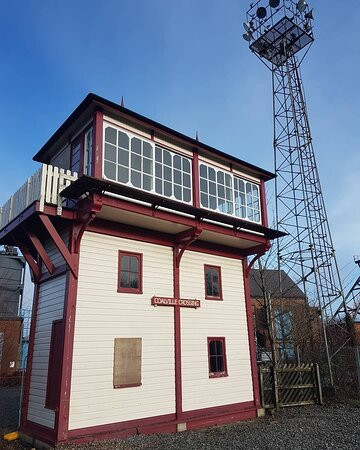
(217, 357)
(213, 289)
(127, 362)
(130, 272)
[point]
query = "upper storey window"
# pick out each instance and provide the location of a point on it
(226, 193)
(139, 163)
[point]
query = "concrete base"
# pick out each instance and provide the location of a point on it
(181, 427)
(261, 412)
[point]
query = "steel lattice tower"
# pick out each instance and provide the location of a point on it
(280, 33)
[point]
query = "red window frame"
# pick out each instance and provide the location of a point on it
(223, 373)
(128, 290)
(218, 269)
(52, 398)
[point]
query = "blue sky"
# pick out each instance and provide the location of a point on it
(186, 65)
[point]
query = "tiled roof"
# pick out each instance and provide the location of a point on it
(272, 283)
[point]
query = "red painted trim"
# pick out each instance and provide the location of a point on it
(195, 419)
(223, 373)
(41, 251)
(55, 356)
(221, 420)
(218, 270)
(218, 410)
(175, 218)
(106, 430)
(98, 144)
(195, 178)
(177, 335)
(139, 257)
(34, 267)
(70, 261)
(69, 320)
(17, 221)
(39, 432)
(251, 335)
(264, 216)
(155, 237)
(65, 387)
(26, 387)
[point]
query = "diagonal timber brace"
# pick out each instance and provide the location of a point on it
(260, 251)
(35, 271)
(183, 240)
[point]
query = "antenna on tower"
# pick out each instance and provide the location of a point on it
(280, 33)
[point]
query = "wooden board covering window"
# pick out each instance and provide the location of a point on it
(127, 362)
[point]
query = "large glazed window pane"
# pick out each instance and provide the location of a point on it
(110, 135)
(172, 177)
(136, 145)
(147, 149)
(135, 179)
(123, 157)
(110, 152)
(110, 170)
(123, 140)
(123, 174)
(136, 162)
(147, 182)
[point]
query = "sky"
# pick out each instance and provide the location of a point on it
(186, 65)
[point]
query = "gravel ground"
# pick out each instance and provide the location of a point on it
(334, 426)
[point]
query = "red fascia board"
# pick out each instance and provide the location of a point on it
(86, 184)
(92, 101)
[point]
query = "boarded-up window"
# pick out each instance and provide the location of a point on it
(127, 362)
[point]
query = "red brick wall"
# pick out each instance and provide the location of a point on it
(11, 347)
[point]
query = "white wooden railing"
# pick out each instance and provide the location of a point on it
(44, 186)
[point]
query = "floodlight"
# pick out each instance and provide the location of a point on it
(274, 3)
(307, 27)
(301, 5)
(309, 15)
(247, 26)
(261, 12)
(247, 36)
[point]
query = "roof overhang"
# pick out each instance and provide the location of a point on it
(87, 185)
(93, 102)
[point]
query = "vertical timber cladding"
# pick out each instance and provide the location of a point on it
(216, 318)
(50, 308)
(102, 315)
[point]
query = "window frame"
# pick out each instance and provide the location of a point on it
(233, 201)
(213, 297)
(223, 373)
(139, 256)
(153, 144)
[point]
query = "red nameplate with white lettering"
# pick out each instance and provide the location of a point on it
(169, 301)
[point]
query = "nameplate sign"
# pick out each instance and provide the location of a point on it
(168, 301)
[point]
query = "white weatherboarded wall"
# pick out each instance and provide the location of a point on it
(225, 318)
(50, 308)
(103, 314)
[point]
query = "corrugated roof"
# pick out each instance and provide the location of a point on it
(271, 279)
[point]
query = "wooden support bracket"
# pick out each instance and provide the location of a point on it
(68, 257)
(184, 239)
(40, 250)
(35, 271)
